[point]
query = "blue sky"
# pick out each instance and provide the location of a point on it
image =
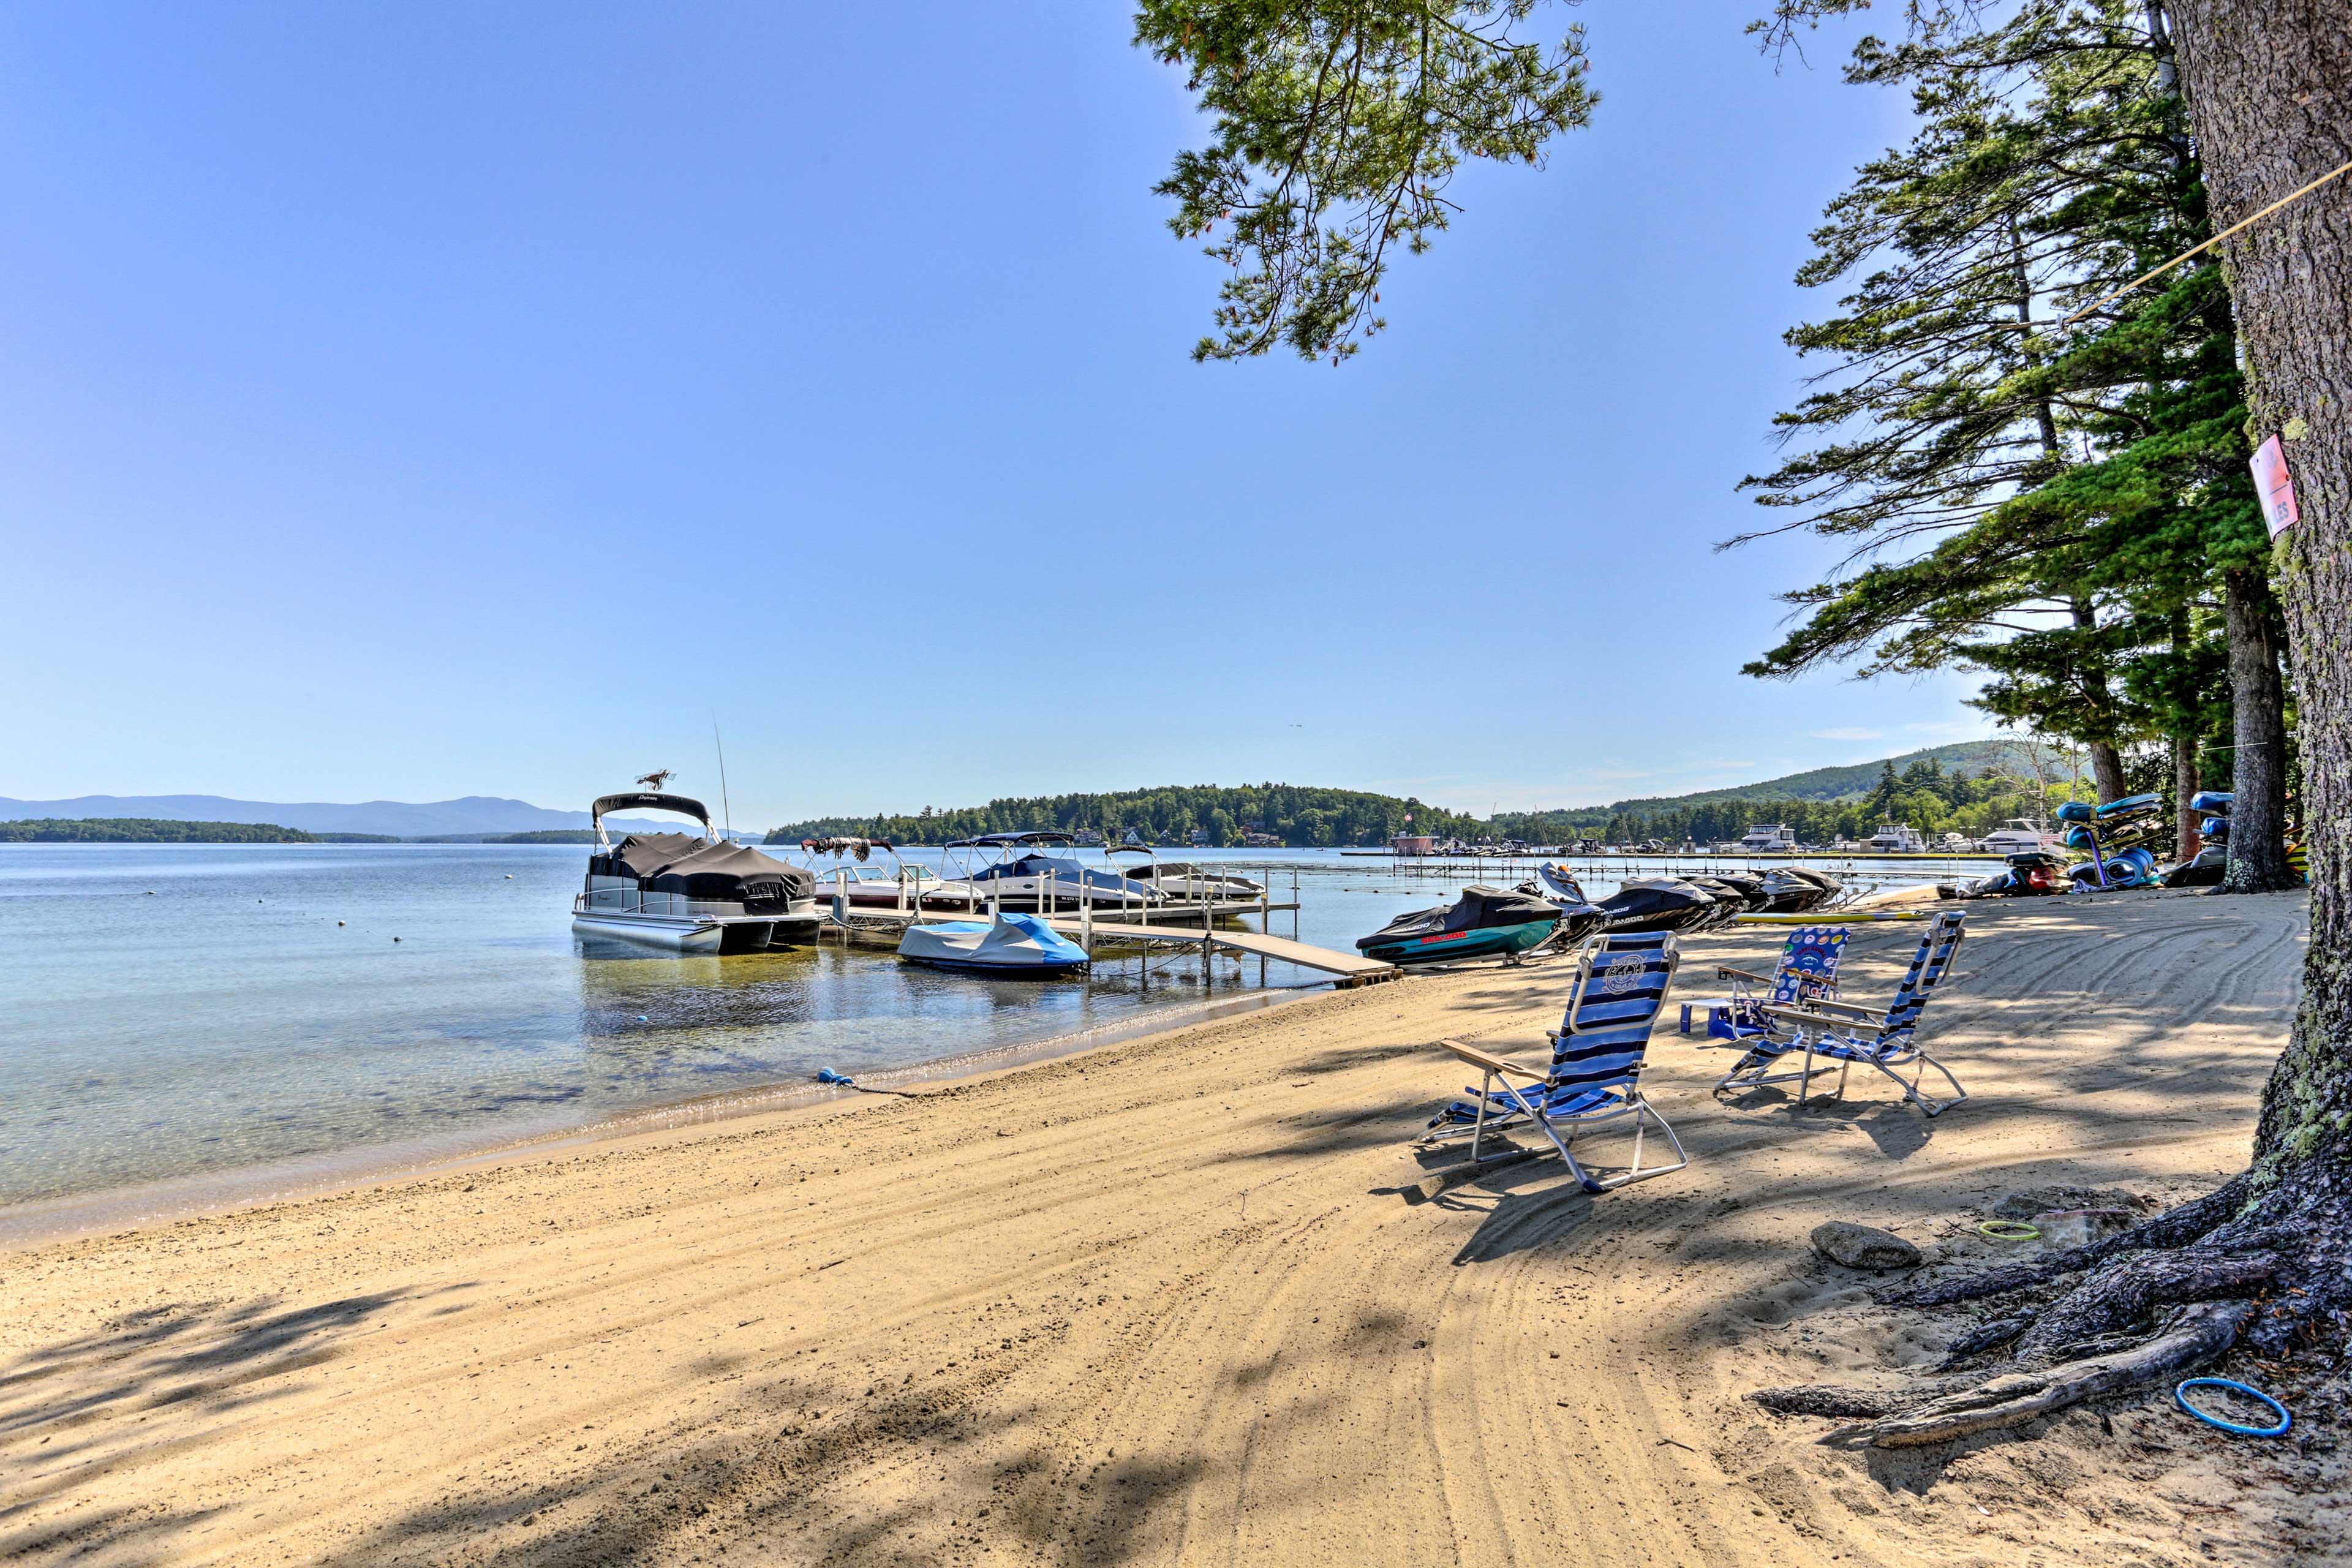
(410, 401)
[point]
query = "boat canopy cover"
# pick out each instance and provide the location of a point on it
(1476, 909)
(1062, 872)
(732, 873)
(640, 854)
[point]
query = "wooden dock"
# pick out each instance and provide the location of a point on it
(1192, 927)
(1352, 968)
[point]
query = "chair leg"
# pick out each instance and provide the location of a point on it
(1927, 1103)
(1478, 1133)
(1644, 1110)
(1574, 1168)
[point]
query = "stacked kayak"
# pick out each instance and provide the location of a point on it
(2117, 833)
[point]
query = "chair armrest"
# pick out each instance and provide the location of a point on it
(1488, 1060)
(1847, 1009)
(1725, 971)
(1819, 1012)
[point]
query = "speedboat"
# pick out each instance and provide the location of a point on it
(1482, 923)
(1026, 877)
(2021, 836)
(864, 886)
(1009, 946)
(1179, 881)
(688, 894)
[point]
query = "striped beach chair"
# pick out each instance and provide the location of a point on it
(1835, 1032)
(1596, 1063)
(1807, 972)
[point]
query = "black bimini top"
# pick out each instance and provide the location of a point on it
(646, 800)
(999, 840)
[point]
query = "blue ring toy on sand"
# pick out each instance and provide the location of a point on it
(2181, 1397)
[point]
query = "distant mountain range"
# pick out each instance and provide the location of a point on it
(482, 816)
(1857, 781)
(468, 816)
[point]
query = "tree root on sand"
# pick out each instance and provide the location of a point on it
(2194, 1336)
(2159, 1300)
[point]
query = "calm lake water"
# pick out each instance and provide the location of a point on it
(193, 1011)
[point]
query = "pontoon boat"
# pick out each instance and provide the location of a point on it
(688, 894)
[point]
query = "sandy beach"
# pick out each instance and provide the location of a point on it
(1186, 1298)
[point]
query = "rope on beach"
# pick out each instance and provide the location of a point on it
(2181, 1397)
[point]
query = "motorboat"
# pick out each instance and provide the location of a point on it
(1896, 839)
(855, 881)
(685, 894)
(1482, 923)
(1181, 881)
(2021, 836)
(1769, 838)
(1009, 946)
(1026, 877)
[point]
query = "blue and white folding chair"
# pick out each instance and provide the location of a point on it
(1807, 972)
(1596, 1062)
(1828, 1030)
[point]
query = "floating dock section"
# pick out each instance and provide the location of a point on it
(1189, 927)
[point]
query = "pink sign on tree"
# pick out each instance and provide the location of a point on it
(2275, 486)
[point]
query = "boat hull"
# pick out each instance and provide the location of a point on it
(1485, 942)
(665, 934)
(700, 933)
(998, 971)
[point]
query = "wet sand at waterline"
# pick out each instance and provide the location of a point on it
(1186, 1298)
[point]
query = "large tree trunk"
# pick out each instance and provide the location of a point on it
(2186, 839)
(2258, 771)
(2107, 760)
(2269, 97)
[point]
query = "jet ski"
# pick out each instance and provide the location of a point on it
(1793, 889)
(1481, 923)
(1659, 904)
(1748, 890)
(1012, 946)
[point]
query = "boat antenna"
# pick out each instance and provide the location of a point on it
(726, 812)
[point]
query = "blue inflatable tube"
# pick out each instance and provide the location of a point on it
(2181, 1397)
